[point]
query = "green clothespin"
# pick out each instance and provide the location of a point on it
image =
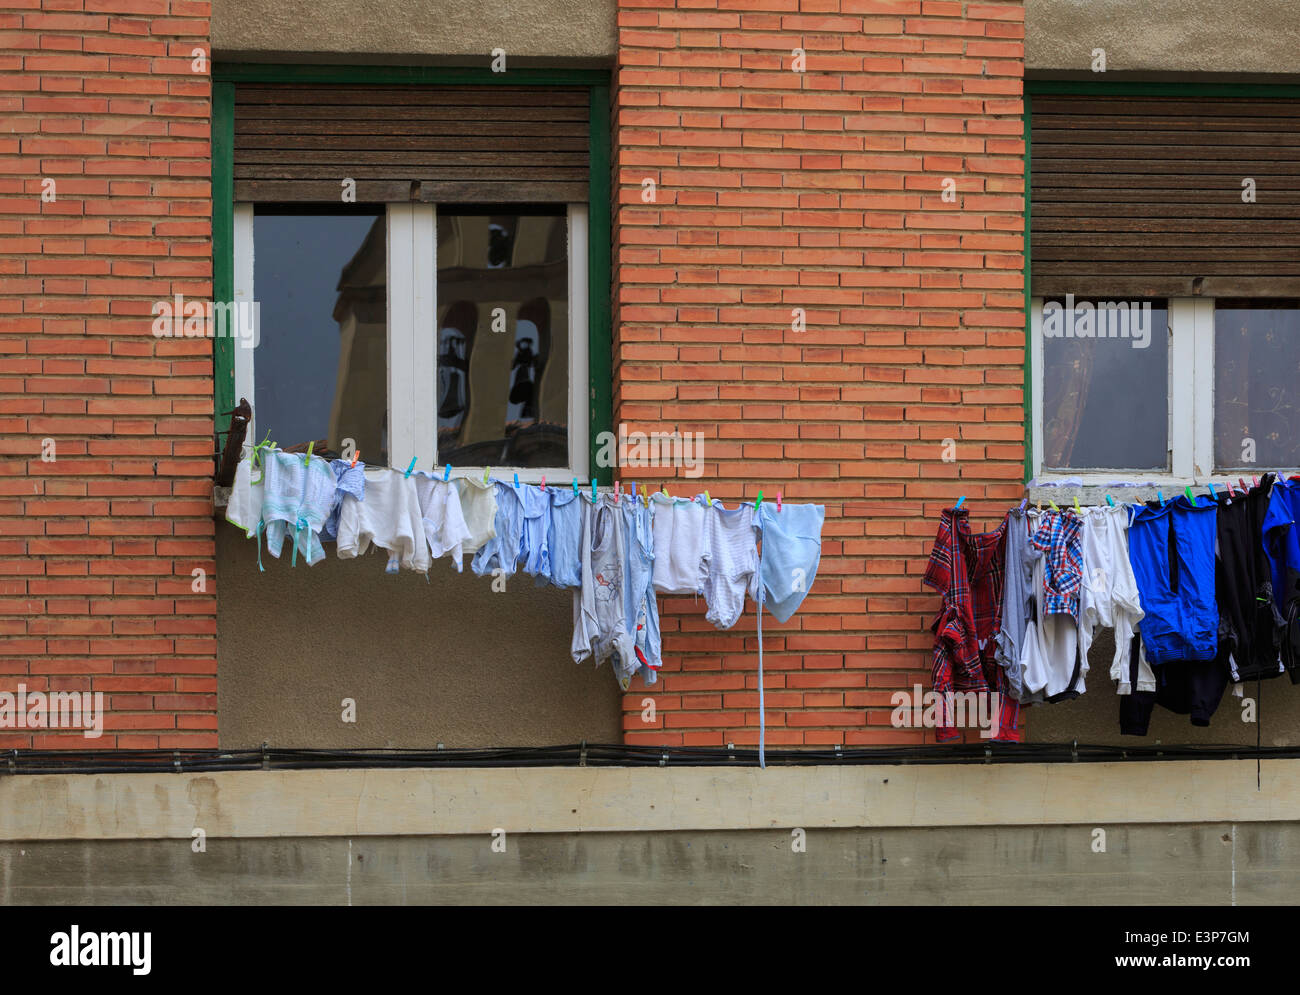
(1190, 497)
(307, 459)
(759, 503)
(1077, 509)
(708, 499)
(1054, 507)
(486, 471)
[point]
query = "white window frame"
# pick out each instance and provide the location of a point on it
(1191, 403)
(413, 341)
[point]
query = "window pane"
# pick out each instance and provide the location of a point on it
(1106, 385)
(503, 338)
(321, 365)
(1256, 366)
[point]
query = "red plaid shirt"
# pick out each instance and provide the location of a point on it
(967, 570)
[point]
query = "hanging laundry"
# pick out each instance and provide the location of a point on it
(565, 536)
(1110, 593)
(388, 517)
(244, 506)
(791, 553)
(534, 543)
(1250, 625)
(1018, 601)
(1053, 663)
(639, 594)
(440, 514)
(1281, 541)
(297, 493)
(349, 478)
(966, 570)
(680, 562)
(601, 628)
(1171, 549)
(501, 551)
(731, 560)
(478, 504)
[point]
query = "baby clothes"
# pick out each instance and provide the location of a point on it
(535, 536)
(731, 558)
(244, 507)
(1171, 549)
(1110, 594)
(478, 504)
(297, 493)
(444, 524)
(501, 551)
(348, 479)
(600, 624)
(679, 566)
(389, 518)
(639, 594)
(565, 537)
(792, 550)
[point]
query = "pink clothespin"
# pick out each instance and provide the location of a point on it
(617, 488)
(778, 502)
(543, 481)
(1256, 481)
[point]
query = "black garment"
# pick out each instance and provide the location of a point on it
(1135, 708)
(1186, 687)
(1250, 628)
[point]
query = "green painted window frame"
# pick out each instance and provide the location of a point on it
(225, 77)
(1105, 88)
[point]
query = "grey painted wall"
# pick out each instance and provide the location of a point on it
(1205, 863)
(445, 661)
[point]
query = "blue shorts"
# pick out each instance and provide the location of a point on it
(1172, 552)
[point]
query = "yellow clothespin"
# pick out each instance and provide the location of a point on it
(1077, 509)
(708, 499)
(1054, 507)
(486, 471)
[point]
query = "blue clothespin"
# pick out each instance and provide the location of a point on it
(632, 490)
(411, 467)
(959, 501)
(516, 481)
(1213, 493)
(575, 486)
(1109, 501)
(1024, 503)
(446, 474)
(593, 488)
(1161, 498)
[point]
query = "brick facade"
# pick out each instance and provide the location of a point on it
(774, 190)
(821, 190)
(99, 545)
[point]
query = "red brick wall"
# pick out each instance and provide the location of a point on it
(98, 546)
(821, 190)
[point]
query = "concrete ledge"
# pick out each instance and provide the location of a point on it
(316, 803)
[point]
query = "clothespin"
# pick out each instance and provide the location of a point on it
(593, 488)
(575, 486)
(618, 489)
(1077, 509)
(1230, 494)
(1023, 503)
(1161, 498)
(1054, 507)
(778, 502)
(307, 459)
(645, 495)
(1040, 506)
(543, 481)
(516, 481)
(632, 488)
(956, 506)
(1244, 489)
(486, 471)
(1213, 493)
(1255, 480)
(708, 500)
(356, 455)
(446, 474)
(759, 502)
(411, 467)
(1110, 501)
(666, 494)
(1190, 496)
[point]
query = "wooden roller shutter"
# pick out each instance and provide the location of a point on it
(1143, 196)
(454, 144)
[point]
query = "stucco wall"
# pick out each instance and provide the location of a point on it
(386, 30)
(448, 661)
(1146, 36)
(1189, 36)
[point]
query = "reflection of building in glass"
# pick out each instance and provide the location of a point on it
(503, 390)
(360, 408)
